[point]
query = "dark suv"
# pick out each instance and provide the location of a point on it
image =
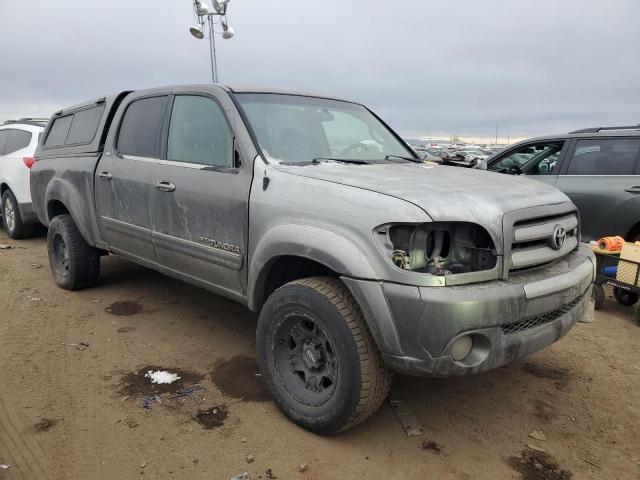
(598, 168)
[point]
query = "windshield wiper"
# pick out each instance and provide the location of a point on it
(410, 159)
(343, 160)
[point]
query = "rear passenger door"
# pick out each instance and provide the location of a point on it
(124, 178)
(599, 178)
(200, 197)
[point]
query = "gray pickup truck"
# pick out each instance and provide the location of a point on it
(360, 259)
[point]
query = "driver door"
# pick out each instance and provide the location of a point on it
(538, 160)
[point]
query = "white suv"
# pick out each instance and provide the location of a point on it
(18, 142)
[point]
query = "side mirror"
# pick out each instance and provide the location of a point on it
(481, 165)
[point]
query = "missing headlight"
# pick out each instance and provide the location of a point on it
(441, 248)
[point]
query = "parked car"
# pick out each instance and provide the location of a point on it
(470, 154)
(18, 141)
(598, 169)
(360, 258)
(429, 155)
(462, 158)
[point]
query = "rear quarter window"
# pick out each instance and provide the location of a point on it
(17, 140)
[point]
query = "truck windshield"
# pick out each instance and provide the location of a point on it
(295, 129)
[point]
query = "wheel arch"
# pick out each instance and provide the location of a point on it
(289, 250)
(63, 198)
(633, 233)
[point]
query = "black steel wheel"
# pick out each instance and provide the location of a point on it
(625, 297)
(305, 360)
(317, 357)
(74, 263)
(598, 296)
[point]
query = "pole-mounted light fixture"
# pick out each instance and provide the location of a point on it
(205, 18)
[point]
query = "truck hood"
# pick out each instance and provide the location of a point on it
(445, 193)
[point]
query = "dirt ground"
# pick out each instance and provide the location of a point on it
(72, 389)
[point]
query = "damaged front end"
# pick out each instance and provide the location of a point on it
(460, 252)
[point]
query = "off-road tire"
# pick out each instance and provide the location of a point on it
(624, 297)
(20, 229)
(82, 266)
(598, 296)
(363, 381)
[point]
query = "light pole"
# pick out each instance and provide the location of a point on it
(205, 17)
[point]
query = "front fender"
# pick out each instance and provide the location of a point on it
(340, 255)
(318, 244)
(66, 193)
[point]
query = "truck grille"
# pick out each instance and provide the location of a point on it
(543, 240)
(538, 320)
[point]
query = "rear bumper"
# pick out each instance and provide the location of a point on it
(415, 327)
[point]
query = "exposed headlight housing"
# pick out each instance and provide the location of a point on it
(440, 248)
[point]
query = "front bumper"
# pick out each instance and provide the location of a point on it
(415, 327)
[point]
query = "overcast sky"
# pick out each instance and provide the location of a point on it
(429, 68)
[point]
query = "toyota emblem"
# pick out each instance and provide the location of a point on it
(558, 238)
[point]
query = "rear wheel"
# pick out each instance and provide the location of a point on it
(13, 224)
(598, 296)
(74, 263)
(317, 357)
(624, 297)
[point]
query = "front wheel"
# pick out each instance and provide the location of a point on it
(74, 263)
(317, 358)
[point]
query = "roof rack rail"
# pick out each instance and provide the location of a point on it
(604, 129)
(38, 122)
(34, 119)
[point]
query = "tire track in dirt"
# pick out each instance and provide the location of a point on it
(25, 452)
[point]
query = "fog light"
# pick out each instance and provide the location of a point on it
(461, 348)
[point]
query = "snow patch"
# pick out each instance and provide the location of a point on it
(162, 377)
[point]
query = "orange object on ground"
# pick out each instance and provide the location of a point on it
(612, 244)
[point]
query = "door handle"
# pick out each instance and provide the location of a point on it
(165, 186)
(634, 189)
(105, 175)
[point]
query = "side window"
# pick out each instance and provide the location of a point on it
(199, 132)
(4, 134)
(18, 139)
(607, 156)
(141, 127)
(533, 159)
(58, 132)
(84, 125)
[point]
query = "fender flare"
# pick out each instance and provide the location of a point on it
(64, 192)
(314, 243)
